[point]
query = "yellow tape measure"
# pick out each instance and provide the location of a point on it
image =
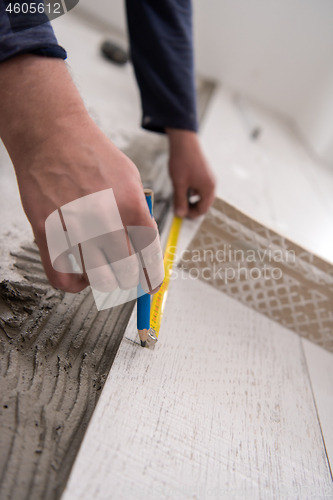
(159, 298)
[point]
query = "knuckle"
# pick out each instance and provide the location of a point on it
(211, 183)
(67, 283)
(60, 282)
(137, 211)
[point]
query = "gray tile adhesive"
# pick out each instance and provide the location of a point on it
(264, 271)
(56, 350)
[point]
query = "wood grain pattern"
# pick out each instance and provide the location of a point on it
(223, 404)
(320, 366)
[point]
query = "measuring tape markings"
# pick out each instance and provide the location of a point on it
(159, 298)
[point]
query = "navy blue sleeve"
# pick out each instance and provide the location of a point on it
(162, 54)
(38, 40)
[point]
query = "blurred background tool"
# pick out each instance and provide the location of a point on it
(248, 117)
(114, 53)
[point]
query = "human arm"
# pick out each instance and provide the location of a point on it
(58, 152)
(189, 171)
(162, 54)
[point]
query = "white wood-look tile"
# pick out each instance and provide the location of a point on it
(320, 366)
(222, 408)
(234, 159)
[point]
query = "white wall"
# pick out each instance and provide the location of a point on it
(279, 52)
(110, 11)
(316, 118)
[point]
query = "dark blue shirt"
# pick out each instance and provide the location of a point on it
(161, 50)
(162, 54)
(39, 39)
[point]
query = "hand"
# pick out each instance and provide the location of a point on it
(59, 154)
(189, 170)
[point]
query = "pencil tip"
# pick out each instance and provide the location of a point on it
(143, 343)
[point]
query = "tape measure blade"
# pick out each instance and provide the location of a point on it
(169, 257)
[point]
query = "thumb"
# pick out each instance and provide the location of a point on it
(180, 200)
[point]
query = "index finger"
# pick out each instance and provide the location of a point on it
(147, 244)
(202, 206)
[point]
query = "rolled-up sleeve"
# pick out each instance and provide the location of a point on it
(38, 40)
(162, 53)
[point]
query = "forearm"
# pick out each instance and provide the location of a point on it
(37, 96)
(179, 138)
(189, 170)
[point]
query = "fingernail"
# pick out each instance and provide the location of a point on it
(180, 212)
